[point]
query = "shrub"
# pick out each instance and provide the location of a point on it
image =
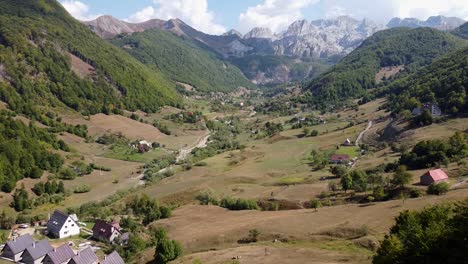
(438, 188)
(238, 204)
(82, 189)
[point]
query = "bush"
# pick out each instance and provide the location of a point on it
(415, 193)
(66, 174)
(438, 188)
(238, 204)
(206, 198)
(82, 189)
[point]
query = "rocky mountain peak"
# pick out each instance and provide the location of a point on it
(299, 28)
(260, 32)
(233, 32)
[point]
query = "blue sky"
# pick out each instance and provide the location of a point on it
(218, 16)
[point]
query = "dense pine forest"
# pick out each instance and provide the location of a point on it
(443, 82)
(24, 152)
(182, 60)
(351, 77)
(37, 40)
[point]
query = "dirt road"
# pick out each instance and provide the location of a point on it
(201, 143)
(359, 138)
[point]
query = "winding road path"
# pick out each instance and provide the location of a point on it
(201, 143)
(359, 138)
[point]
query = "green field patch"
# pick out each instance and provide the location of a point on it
(286, 181)
(127, 153)
(352, 151)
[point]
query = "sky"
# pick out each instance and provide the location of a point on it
(219, 16)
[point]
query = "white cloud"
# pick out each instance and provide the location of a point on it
(78, 10)
(274, 14)
(383, 11)
(192, 12)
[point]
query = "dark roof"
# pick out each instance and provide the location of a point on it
(112, 258)
(56, 221)
(86, 256)
(340, 157)
(61, 254)
(103, 229)
(39, 249)
(20, 243)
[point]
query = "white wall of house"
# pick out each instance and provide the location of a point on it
(70, 228)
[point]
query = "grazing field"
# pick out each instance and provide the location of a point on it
(215, 231)
(126, 153)
(100, 124)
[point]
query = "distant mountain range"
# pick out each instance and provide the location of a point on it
(438, 22)
(323, 41)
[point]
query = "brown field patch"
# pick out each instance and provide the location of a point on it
(288, 254)
(101, 123)
(200, 228)
(387, 72)
(81, 68)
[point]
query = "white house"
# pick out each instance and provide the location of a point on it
(61, 225)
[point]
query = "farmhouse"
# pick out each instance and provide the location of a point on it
(60, 255)
(61, 225)
(36, 252)
(15, 248)
(112, 258)
(433, 176)
(104, 231)
(85, 256)
(340, 158)
(347, 142)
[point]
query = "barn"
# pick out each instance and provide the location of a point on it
(433, 176)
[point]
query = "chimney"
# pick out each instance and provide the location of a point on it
(34, 245)
(55, 250)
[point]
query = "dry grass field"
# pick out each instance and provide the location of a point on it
(214, 231)
(100, 124)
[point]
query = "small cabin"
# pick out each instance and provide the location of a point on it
(433, 176)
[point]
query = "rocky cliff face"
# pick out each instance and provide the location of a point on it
(323, 38)
(108, 27)
(438, 22)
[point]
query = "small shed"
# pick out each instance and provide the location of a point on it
(433, 176)
(340, 158)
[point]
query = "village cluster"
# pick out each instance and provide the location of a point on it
(25, 249)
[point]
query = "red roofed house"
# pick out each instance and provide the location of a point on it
(433, 176)
(340, 158)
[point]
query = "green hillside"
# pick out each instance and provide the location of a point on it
(445, 81)
(36, 40)
(355, 74)
(182, 60)
(462, 31)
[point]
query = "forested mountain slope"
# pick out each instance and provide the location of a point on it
(182, 60)
(462, 31)
(49, 58)
(444, 82)
(356, 73)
